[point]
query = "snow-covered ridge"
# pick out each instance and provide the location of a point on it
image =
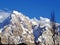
(22, 29)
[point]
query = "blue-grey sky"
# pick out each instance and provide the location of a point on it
(33, 8)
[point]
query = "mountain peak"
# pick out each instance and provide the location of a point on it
(19, 28)
(16, 12)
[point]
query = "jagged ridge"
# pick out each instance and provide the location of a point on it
(22, 29)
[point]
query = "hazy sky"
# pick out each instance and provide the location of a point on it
(33, 8)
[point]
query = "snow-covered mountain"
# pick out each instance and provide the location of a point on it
(18, 28)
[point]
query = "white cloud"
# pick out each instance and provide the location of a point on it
(45, 19)
(3, 15)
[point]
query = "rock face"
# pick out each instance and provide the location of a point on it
(47, 36)
(18, 31)
(22, 29)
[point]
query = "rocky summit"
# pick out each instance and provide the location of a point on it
(19, 28)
